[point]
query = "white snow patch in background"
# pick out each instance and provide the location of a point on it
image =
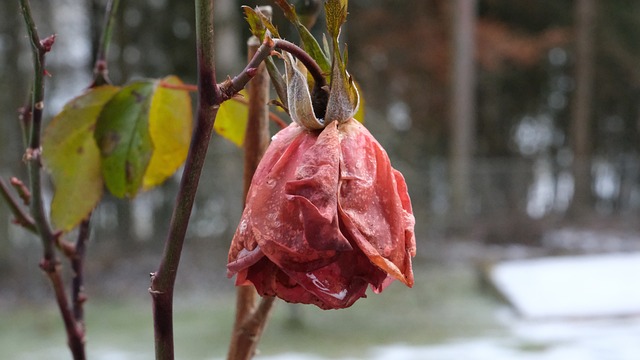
(573, 287)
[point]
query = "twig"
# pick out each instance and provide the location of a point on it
(231, 87)
(22, 218)
(32, 155)
(49, 263)
(101, 69)
(77, 265)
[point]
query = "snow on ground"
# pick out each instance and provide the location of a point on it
(605, 339)
(571, 286)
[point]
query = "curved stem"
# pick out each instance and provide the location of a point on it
(311, 65)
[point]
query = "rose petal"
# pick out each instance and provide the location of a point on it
(335, 286)
(374, 204)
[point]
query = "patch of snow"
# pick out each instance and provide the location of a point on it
(574, 287)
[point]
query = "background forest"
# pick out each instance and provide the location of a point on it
(509, 119)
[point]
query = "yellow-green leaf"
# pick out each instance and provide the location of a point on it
(336, 13)
(122, 135)
(70, 153)
(231, 122)
(170, 123)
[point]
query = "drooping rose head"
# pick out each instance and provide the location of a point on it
(326, 215)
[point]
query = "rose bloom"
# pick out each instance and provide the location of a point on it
(326, 216)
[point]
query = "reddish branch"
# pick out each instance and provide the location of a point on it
(210, 96)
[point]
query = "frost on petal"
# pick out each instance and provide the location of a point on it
(291, 208)
(374, 204)
(241, 252)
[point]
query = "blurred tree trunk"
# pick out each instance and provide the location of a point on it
(580, 136)
(463, 106)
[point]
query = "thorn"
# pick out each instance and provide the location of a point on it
(268, 41)
(82, 298)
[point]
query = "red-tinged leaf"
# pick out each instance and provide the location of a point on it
(170, 125)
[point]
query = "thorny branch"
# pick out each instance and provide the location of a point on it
(49, 263)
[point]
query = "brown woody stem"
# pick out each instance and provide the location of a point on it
(251, 318)
(77, 265)
(209, 99)
(210, 96)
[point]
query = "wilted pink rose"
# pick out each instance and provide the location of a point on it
(325, 217)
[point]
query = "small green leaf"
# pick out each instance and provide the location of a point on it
(259, 23)
(170, 125)
(231, 121)
(309, 43)
(122, 135)
(70, 153)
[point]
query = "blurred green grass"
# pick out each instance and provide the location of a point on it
(445, 304)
